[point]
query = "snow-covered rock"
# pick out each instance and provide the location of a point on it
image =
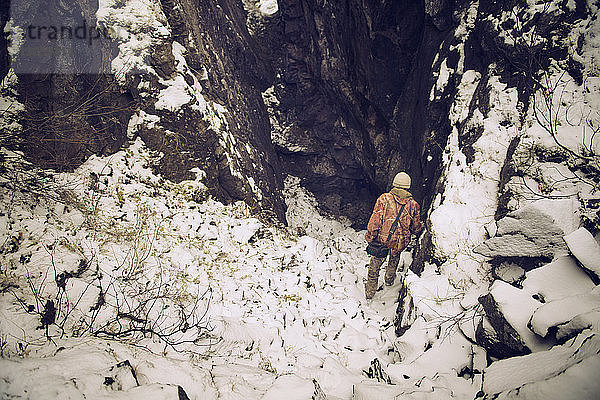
(508, 310)
(579, 323)
(527, 232)
(405, 312)
(562, 311)
(493, 342)
(290, 387)
(448, 356)
(88, 370)
(561, 278)
(568, 371)
(586, 249)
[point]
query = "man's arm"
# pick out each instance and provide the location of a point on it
(415, 223)
(376, 221)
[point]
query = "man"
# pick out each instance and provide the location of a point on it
(386, 209)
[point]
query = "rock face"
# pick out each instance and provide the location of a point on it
(67, 116)
(344, 68)
(524, 234)
(339, 81)
(341, 94)
(181, 89)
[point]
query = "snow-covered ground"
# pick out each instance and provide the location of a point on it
(273, 304)
(116, 283)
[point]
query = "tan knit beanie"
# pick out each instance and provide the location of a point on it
(402, 180)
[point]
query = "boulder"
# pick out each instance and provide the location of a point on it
(487, 337)
(578, 324)
(527, 232)
(586, 249)
(509, 272)
(577, 382)
(559, 312)
(508, 310)
(559, 279)
(568, 371)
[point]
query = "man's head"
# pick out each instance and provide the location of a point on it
(402, 180)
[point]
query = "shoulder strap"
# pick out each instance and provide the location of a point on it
(395, 224)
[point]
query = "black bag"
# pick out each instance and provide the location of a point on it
(377, 249)
(380, 250)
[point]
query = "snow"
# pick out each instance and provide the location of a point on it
(282, 306)
(562, 311)
(559, 279)
(290, 387)
(514, 373)
(576, 382)
(268, 7)
(174, 95)
(137, 26)
(586, 249)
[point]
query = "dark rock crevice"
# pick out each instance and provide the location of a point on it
(344, 70)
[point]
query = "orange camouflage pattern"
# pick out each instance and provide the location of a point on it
(384, 213)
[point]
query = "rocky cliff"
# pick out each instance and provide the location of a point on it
(340, 94)
(345, 86)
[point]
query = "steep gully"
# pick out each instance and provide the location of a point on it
(348, 97)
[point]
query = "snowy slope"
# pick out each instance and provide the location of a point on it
(268, 301)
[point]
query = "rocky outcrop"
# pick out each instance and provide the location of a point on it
(178, 85)
(237, 155)
(527, 235)
(73, 106)
(544, 334)
(508, 310)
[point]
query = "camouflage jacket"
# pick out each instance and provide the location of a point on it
(386, 209)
